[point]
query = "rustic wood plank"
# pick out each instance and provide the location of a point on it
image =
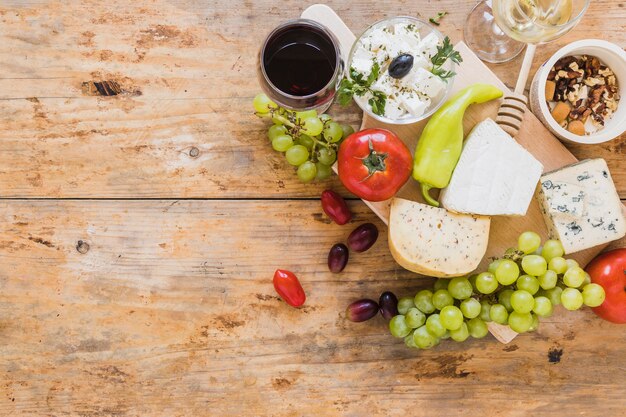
(171, 312)
(194, 64)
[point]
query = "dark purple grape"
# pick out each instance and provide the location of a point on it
(388, 303)
(338, 257)
(363, 237)
(362, 310)
(401, 65)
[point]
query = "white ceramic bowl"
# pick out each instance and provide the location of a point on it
(424, 30)
(612, 56)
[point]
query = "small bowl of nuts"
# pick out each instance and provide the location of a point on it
(576, 93)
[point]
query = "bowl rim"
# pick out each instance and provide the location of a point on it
(601, 136)
(407, 120)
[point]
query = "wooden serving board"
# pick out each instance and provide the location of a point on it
(533, 136)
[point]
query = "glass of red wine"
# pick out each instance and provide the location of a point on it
(300, 65)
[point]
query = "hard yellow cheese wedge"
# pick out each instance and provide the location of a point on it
(433, 241)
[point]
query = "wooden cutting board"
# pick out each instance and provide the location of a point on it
(533, 136)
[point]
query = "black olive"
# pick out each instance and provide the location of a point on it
(401, 65)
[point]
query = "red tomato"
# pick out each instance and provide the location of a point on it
(288, 287)
(609, 271)
(373, 164)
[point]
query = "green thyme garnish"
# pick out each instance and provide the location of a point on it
(435, 20)
(358, 86)
(444, 52)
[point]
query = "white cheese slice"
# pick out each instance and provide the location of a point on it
(494, 176)
(579, 225)
(427, 83)
(413, 103)
(435, 242)
(428, 45)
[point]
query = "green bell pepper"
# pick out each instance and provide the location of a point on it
(440, 145)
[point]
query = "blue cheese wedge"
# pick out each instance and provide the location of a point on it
(581, 206)
(495, 175)
(433, 241)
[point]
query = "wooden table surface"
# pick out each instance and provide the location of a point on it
(140, 233)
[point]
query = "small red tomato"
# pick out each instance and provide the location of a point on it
(373, 164)
(609, 271)
(335, 207)
(288, 287)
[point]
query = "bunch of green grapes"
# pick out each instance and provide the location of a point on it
(310, 141)
(516, 290)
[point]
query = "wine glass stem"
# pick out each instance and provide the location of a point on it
(526, 64)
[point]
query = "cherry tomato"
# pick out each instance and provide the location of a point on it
(335, 207)
(288, 287)
(609, 271)
(373, 164)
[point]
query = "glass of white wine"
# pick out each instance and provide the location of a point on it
(496, 30)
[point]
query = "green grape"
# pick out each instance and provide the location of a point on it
(297, 155)
(504, 298)
(434, 326)
(423, 339)
(493, 266)
(528, 283)
(409, 342)
(522, 301)
(477, 328)
(486, 283)
(323, 171)
(282, 143)
(571, 263)
(262, 103)
(574, 277)
(441, 284)
(552, 249)
(499, 314)
(424, 301)
(460, 288)
(593, 295)
(558, 265)
(554, 295)
(543, 306)
(548, 280)
(442, 298)
(535, 324)
(470, 308)
(507, 272)
(332, 132)
(571, 299)
(520, 322)
(325, 117)
(346, 130)
(445, 336)
(485, 308)
(534, 265)
(307, 171)
(303, 115)
(415, 318)
(312, 126)
(398, 326)
(587, 279)
(327, 156)
(451, 317)
(461, 334)
(306, 141)
(404, 304)
(528, 242)
(472, 280)
(275, 130)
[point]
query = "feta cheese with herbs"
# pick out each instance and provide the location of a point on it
(581, 206)
(413, 94)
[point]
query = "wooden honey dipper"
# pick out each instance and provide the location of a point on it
(514, 104)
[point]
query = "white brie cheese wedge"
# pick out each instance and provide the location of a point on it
(495, 175)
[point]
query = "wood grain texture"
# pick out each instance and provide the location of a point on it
(193, 63)
(171, 312)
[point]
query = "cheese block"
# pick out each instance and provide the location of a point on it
(581, 206)
(495, 175)
(433, 241)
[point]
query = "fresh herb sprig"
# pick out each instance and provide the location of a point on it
(435, 20)
(444, 52)
(358, 85)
